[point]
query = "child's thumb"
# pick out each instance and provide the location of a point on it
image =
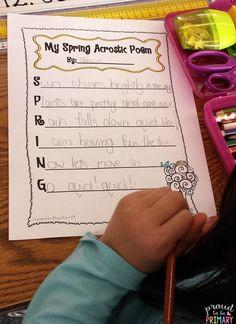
(193, 235)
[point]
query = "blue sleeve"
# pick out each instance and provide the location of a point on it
(85, 288)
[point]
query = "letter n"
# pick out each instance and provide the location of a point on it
(40, 163)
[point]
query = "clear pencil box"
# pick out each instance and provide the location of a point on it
(213, 101)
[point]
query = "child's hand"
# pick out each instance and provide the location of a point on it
(147, 225)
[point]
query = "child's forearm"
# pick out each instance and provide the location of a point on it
(85, 288)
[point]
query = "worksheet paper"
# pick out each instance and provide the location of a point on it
(97, 109)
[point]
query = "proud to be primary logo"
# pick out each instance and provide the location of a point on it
(219, 314)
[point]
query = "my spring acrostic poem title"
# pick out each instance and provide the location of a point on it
(97, 48)
(68, 52)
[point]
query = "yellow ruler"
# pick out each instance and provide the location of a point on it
(146, 10)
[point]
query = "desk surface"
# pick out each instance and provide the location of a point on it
(24, 264)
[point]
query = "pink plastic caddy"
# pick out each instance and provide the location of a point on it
(213, 101)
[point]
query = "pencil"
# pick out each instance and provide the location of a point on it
(169, 288)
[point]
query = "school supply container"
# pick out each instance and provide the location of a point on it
(214, 100)
(211, 107)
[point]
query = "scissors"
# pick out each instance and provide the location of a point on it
(223, 75)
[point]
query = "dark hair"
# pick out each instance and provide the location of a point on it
(214, 256)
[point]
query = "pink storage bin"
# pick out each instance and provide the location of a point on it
(210, 108)
(196, 79)
(213, 101)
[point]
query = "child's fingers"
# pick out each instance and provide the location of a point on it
(139, 194)
(164, 218)
(209, 224)
(169, 205)
(177, 226)
(154, 195)
(194, 233)
(148, 196)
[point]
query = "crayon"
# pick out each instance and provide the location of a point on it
(232, 149)
(230, 137)
(228, 132)
(228, 121)
(221, 124)
(226, 110)
(231, 143)
(225, 117)
(229, 126)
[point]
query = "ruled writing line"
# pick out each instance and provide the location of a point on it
(96, 190)
(105, 147)
(102, 88)
(117, 126)
(105, 63)
(106, 107)
(109, 168)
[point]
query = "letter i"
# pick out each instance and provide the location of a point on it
(37, 140)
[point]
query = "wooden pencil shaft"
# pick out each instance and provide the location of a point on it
(169, 288)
